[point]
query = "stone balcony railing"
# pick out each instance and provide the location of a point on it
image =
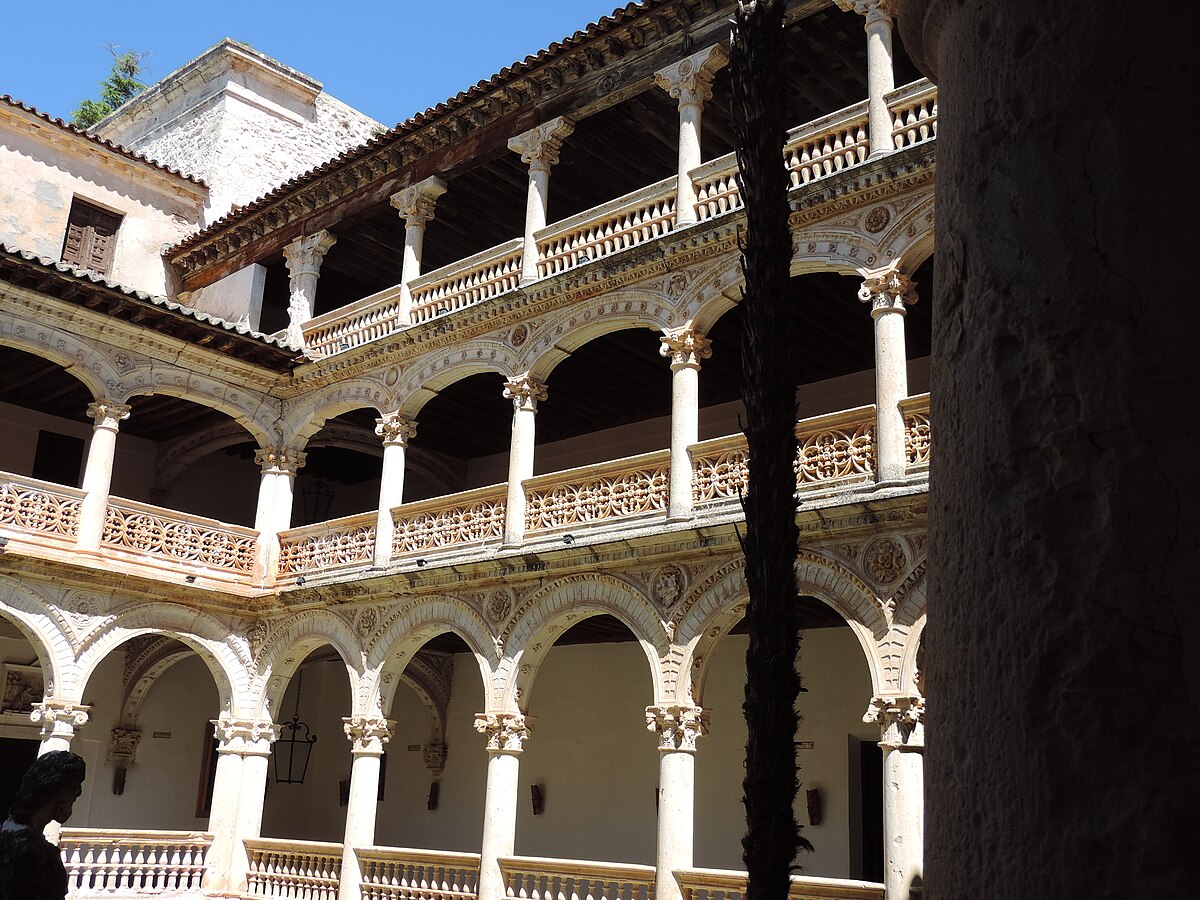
(184, 542)
(301, 870)
(813, 151)
(539, 878)
(389, 873)
(725, 884)
(116, 863)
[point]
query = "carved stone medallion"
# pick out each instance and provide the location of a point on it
(877, 219)
(667, 585)
(884, 560)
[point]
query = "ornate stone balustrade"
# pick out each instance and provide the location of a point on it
(358, 323)
(914, 113)
(327, 546)
(830, 144)
(716, 187)
(916, 432)
(299, 870)
(603, 230)
(466, 519)
(108, 863)
(389, 873)
(177, 538)
(473, 280)
(618, 489)
(835, 449)
(724, 884)
(536, 878)
(38, 508)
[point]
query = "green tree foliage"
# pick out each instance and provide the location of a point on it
(123, 82)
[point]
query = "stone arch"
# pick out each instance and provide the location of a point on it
(908, 675)
(911, 238)
(438, 369)
(720, 292)
(554, 608)
(295, 638)
(254, 412)
(304, 418)
(406, 630)
(143, 678)
(76, 357)
(42, 625)
(176, 456)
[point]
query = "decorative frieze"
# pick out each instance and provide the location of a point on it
(23, 687)
(678, 727)
(368, 734)
(505, 732)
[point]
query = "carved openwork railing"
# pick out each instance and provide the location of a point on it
(473, 280)
(836, 449)
(458, 520)
(327, 546)
(38, 507)
(536, 878)
(389, 873)
(723, 884)
(176, 537)
(359, 323)
(102, 863)
(914, 113)
(916, 431)
(303, 870)
(603, 230)
(619, 489)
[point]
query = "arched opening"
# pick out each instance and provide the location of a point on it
(463, 433)
(342, 469)
(23, 685)
(830, 752)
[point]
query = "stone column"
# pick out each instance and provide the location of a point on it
(58, 719)
(889, 293)
(243, 756)
(367, 736)
(903, 743)
(396, 431)
(881, 79)
(303, 257)
(524, 391)
(97, 474)
(506, 736)
(415, 205)
(539, 150)
(274, 513)
(685, 348)
(690, 82)
(678, 728)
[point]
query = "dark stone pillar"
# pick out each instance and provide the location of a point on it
(1062, 735)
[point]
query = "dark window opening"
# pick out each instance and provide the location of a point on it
(58, 458)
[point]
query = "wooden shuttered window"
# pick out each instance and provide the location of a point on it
(91, 237)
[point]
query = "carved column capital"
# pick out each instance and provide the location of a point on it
(901, 719)
(678, 727)
(59, 718)
(525, 392)
(505, 732)
(108, 413)
(871, 10)
(685, 348)
(415, 203)
(303, 256)
(123, 744)
(280, 460)
(245, 737)
(396, 429)
(435, 758)
(368, 734)
(888, 292)
(690, 80)
(539, 146)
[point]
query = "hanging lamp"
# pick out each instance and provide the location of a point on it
(294, 747)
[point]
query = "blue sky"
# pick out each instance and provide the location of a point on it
(388, 59)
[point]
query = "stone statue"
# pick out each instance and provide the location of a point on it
(30, 866)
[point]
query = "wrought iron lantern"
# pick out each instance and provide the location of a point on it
(294, 747)
(317, 497)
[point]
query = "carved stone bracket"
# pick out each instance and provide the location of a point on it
(435, 758)
(304, 255)
(123, 745)
(901, 720)
(368, 734)
(505, 732)
(539, 146)
(108, 413)
(396, 429)
(690, 80)
(59, 719)
(889, 291)
(415, 204)
(678, 727)
(245, 737)
(525, 392)
(280, 460)
(685, 348)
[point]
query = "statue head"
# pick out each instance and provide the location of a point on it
(51, 785)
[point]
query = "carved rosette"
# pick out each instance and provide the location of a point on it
(435, 758)
(678, 727)
(901, 721)
(871, 10)
(245, 737)
(396, 429)
(58, 718)
(539, 146)
(280, 460)
(505, 732)
(889, 291)
(416, 203)
(304, 255)
(690, 80)
(123, 744)
(368, 734)
(525, 392)
(685, 348)
(108, 413)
